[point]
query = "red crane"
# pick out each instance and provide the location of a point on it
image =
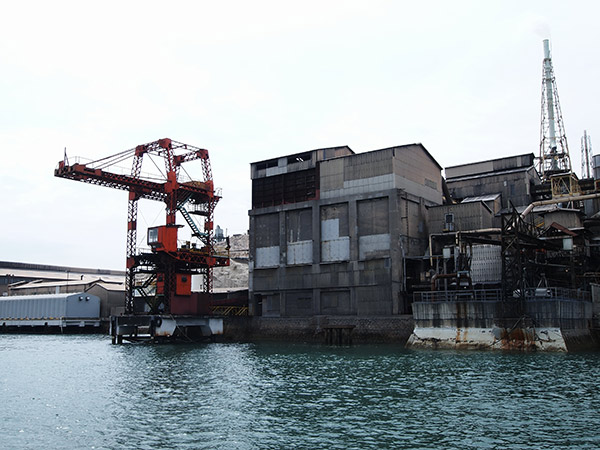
(161, 277)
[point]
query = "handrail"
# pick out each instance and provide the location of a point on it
(494, 295)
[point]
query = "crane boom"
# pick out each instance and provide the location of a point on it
(168, 264)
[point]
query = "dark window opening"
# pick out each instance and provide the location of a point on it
(301, 157)
(291, 187)
(266, 164)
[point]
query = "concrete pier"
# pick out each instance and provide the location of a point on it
(550, 321)
(156, 328)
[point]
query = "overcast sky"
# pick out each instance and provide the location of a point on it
(252, 80)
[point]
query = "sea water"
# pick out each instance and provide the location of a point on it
(81, 392)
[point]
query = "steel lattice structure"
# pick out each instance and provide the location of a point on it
(554, 152)
(168, 267)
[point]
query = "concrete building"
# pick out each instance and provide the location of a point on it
(330, 230)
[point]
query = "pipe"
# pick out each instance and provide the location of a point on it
(458, 276)
(570, 198)
(435, 277)
(447, 197)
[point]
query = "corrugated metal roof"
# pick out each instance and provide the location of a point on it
(540, 209)
(35, 284)
(301, 153)
(481, 198)
(55, 275)
(48, 296)
(490, 174)
(111, 286)
(492, 165)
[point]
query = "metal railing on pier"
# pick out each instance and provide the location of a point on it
(495, 295)
(557, 293)
(479, 295)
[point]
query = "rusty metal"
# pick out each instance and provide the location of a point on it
(167, 260)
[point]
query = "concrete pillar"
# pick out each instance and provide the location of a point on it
(252, 307)
(316, 268)
(353, 229)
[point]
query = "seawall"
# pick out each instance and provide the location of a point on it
(391, 329)
(536, 324)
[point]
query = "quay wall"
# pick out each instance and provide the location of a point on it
(556, 313)
(392, 329)
(554, 324)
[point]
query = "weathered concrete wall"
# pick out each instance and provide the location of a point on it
(565, 314)
(544, 324)
(337, 302)
(298, 304)
(596, 303)
(299, 236)
(311, 329)
(264, 280)
(556, 313)
(354, 248)
(266, 240)
(455, 314)
(373, 228)
(345, 249)
(335, 240)
(520, 337)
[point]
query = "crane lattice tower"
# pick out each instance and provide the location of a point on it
(161, 277)
(586, 155)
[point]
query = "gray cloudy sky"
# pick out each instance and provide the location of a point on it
(255, 80)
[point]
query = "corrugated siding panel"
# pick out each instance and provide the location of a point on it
(335, 249)
(50, 306)
(331, 174)
(330, 229)
(486, 264)
(267, 256)
(83, 306)
(300, 252)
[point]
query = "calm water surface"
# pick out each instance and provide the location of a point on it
(81, 392)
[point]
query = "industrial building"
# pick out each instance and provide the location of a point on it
(331, 231)
(50, 313)
(499, 183)
(27, 279)
(358, 235)
(501, 253)
(339, 237)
